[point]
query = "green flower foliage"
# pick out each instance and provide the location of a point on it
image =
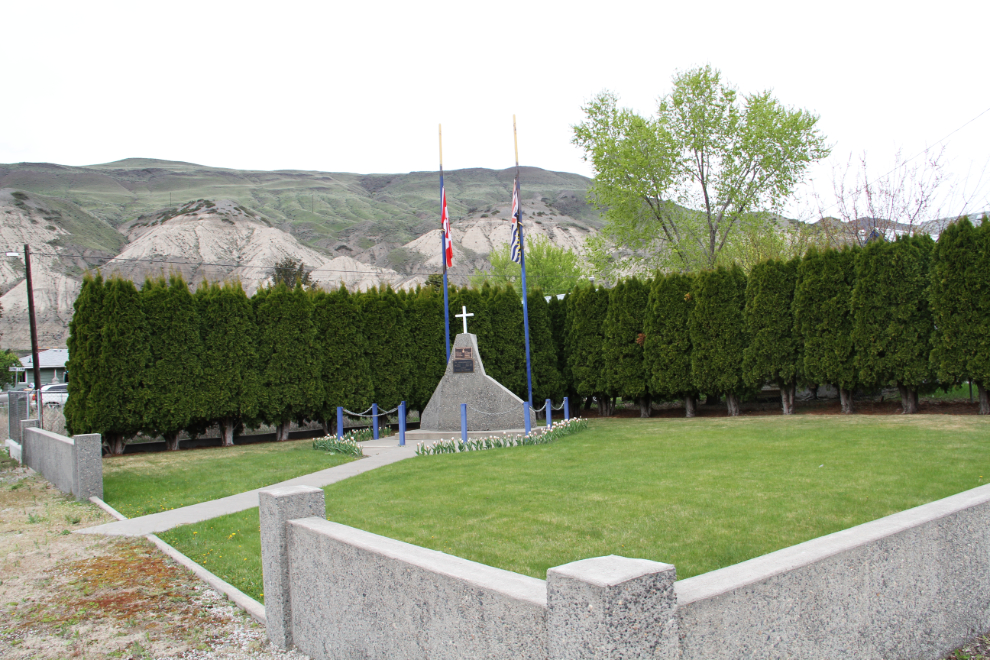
(117, 401)
(774, 350)
(175, 377)
(959, 296)
(289, 363)
(667, 349)
(343, 347)
(85, 348)
(623, 330)
(547, 381)
(587, 340)
(823, 316)
(229, 383)
(718, 331)
(892, 323)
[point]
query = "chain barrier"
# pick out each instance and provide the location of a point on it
(539, 409)
(380, 412)
(560, 407)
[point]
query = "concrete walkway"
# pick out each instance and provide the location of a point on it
(377, 453)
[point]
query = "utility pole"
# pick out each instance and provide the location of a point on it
(34, 331)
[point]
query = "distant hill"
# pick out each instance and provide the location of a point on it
(141, 217)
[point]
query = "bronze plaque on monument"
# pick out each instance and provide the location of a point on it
(463, 361)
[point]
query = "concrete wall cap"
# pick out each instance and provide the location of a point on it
(53, 436)
(520, 587)
(610, 570)
(758, 569)
(286, 491)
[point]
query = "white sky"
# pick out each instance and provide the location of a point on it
(361, 87)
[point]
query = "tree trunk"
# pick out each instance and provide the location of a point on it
(814, 392)
(846, 399)
(787, 399)
(282, 432)
(116, 443)
(588, 400)
(732, 403)
(689, 407)
(984, 399)
(644, 405)
(227, 431)
(909, 400)
(172, 441)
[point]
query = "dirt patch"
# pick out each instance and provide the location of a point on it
(65, 595)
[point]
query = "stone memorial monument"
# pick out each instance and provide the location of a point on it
(490, 406)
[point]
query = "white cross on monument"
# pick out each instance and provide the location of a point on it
(463, 315)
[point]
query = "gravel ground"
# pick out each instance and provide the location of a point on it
(65, 595)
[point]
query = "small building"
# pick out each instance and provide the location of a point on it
(52, 364)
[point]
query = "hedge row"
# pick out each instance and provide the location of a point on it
(910, 313)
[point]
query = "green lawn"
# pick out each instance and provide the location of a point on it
(139, 484)
(700, 494)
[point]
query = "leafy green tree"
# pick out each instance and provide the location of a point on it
(288, 356)
(959, 295)
(667, 348)
(117, 400)
(560, 323)
(290, 272)
(85, 348)
(892, 323)
(230, 382)
(624, 333)
(345, 369)
(388, 345)
(175, 375)
(434, 281)
(675, 187)
(718, 334)
(774, 350)
(507, 351)
(823, 320)
(587, 345)
(547, 382)
(551, 268)
(428, 354)
(8, 360)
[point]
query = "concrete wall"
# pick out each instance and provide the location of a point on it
(912, 585)
(74, 465)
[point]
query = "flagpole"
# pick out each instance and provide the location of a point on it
(443, 252)
(522, 264)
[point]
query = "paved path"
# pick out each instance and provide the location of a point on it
(377, 453)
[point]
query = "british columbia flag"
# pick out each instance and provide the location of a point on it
(515, 247)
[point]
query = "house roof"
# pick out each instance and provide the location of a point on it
(53, 358)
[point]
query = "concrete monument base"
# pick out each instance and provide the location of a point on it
(490, 406)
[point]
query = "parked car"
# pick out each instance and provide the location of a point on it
(52, 395)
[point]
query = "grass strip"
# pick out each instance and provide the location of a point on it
(139, 484)
(701, 494)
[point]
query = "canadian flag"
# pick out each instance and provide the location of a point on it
(445, 221)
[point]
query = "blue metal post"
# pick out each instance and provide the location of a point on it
(402, 424)
(340, 422)
(374, 420)
(446, 303)
(526, 416)
(549, 412)
(463, 422)
(567, 409)
(522, 264)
